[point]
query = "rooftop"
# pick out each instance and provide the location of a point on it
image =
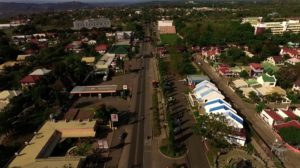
(268, 78)
(273, 114)
(94, 89)
(34, 154)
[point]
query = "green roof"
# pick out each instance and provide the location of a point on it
(119, 50)
(268, 78)
(252, 82)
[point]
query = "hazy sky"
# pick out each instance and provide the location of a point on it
(54, 1)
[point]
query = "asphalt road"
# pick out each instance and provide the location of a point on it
(142, 131)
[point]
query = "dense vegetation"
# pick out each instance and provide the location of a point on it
(291, 135)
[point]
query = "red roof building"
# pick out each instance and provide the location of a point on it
(101, 48)
(293, 123)
(271, 117)
(256, 69)
(292, 52)
(30, 79)
(211, 53)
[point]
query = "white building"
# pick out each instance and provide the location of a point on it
(206, 91)
(219, 106)
(267, 80)
(280, 27)
(162, 23)
(293, 61)
(271, 117)
(92, 23)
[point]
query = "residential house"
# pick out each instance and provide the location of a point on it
(267, 80)
(6, 96)
(211, 53)
(101, 48)
(123, 35)
(296, 85)
(296, 111)
(276, 60)
(291, 52)
(7, 64)
(286, 114)
(293, 61)
(88, 60)
(34, 77)
(256, 69)
(240, 83)
(75, 46)
(193, 80)
(271, 117)
(23, 57)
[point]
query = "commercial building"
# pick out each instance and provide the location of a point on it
(92, 23)
(37, 152)
(252, 20)
(206, 91)
(102, 66)
(96, 90)
(292, 26)
(166, 27)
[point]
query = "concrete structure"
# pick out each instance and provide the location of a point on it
(271, 117)
(267, 80)
(92, 23)
(37, 152)
(166, 27)
(193, 80)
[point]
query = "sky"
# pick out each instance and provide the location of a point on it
(55, 1)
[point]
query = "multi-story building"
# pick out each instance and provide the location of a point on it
(92, 23)
(292, 26)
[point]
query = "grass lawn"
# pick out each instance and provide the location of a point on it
(169, 39)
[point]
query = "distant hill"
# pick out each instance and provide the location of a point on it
(11, 8)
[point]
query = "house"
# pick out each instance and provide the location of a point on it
(293, 61)
(296, 85)
(6, 96)
(34, 77)
(240, 83)
(292, 123)
(29, 80)
(101, 48)
(75, 46)
(40, 72)
(211, 53)
(7, 64)
(286, 114)
(123, 35)
(88, 60)
(291, 52)
(37, 153)
(224, 70)
(256, 69)
(193, 80)
(297, 112)
(267, 80)
(276, 60)
(23, 57)
(271, 117)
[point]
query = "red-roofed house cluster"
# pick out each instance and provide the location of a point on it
(291, 52)
(211, 53)
(275, 118)
(34, 77)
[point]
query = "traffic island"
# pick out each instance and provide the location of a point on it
(171, 151)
